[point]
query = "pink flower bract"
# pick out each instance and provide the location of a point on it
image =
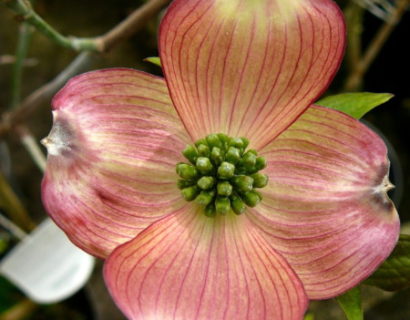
(248, 68)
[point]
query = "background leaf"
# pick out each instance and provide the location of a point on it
(355, 104)
(351, 303)
(394, 273)
(154, 60)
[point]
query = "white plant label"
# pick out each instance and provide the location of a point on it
(46, 266)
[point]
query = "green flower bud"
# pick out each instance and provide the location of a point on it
(190, 153)
(224, 189)
(190, 193)
(213, 141)
(252, 198)
(184, 183)
(186, 171)
(205, 197)
(210, 210)
(245, 142)
(260, 163)
(249, 160)
(203, 150)
(224, 138)
(238, 206)
(260, 180)
(233, 155)
(226, 170)
(222, 205)
(243, 183)
(204, 165)
(217, 155)
(199, 142)
(237, 142)
(206, 183)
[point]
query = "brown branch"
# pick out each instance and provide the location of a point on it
(13, 206)
(130, 25)
(120, 32)
(32, 146)
(12, 119)
(19, 311)
(25, 12)
(355, 79)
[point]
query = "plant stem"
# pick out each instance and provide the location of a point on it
(32, 147)
(12, 205)
(354, 21)
(123, 30)
(21, 53)
(44, 93)
(102, 43)
(19, 311)
(27, 13)
(12, 228)
(134, 22)
(355, 79)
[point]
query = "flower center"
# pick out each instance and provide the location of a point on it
(221, 174)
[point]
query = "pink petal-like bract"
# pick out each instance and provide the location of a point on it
(190, 267)
(326, 209)
(112, 152)
(248, 68)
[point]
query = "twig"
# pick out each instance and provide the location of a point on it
(20, 311)
(12, 205)
(354, 20)
(355, 78)
(101, 43)
(25, 10)
(132, 24)
(12, 228)
(123, 30)
(12, 119)
(31, 145)
(21, 53)
(9, 59)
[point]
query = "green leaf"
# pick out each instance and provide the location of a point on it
(351, 303)
(394, 273)
(355, 104)
(154, 60)
(309, 316)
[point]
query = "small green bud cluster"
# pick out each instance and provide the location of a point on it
(221, 174)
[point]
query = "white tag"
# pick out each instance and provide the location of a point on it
(46, 266)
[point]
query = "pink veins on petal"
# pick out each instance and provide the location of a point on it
(245, 69)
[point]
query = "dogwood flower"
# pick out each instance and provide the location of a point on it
(221, 191)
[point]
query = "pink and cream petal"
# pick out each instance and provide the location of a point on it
(248, 68)
(112, 153)
(188, 266)
(326, 209)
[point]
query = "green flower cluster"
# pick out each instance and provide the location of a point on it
(222, 175)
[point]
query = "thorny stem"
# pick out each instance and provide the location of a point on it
(355, 79)
(100, 44)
